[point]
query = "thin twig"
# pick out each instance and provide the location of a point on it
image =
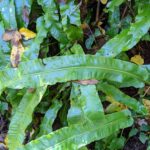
(97, 12)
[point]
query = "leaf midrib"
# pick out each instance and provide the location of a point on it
(95, 129)
(111, 122)
(81, 67)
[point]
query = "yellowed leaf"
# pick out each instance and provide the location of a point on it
(100, 28)
(28, 34)
(104, 1)
(146, 103)
(137, 59)
(6, 141)
(16, 53)
(114, 106)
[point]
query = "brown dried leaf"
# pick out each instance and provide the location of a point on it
(16, 53)
(12, 35)
(87, 82)
(17, 49)
(31, 90)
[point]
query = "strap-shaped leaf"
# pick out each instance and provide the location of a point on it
(7, 13)
(128, 37)
(78, 135)
(119, 96)
(4, 46)
(22, 117)
(50, 115)
(85, 104)
(74, 67)
(32, 51)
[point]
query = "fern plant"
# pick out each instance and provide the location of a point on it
(85, 120)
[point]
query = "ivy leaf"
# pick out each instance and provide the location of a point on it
(16, 53)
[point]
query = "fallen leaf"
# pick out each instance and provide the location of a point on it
(12, 35)
(141, 122)
(16, 53)
(17, 49)
(146, 103)
(28, 34)
(103, 2)
(137, 59)
(87, 82)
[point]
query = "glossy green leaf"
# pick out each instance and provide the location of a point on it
(85, 104)
(119, 96)
(4, 46)
(50, 116)
(32, 51)
(3, 107)
(14, 97)
(113, 4)
(4, 60)
(128, 37)
(52, 22)
(7, 13)
(76, 136)
(70, 18)
(23, 117)
(49, 71)
(114, 22)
